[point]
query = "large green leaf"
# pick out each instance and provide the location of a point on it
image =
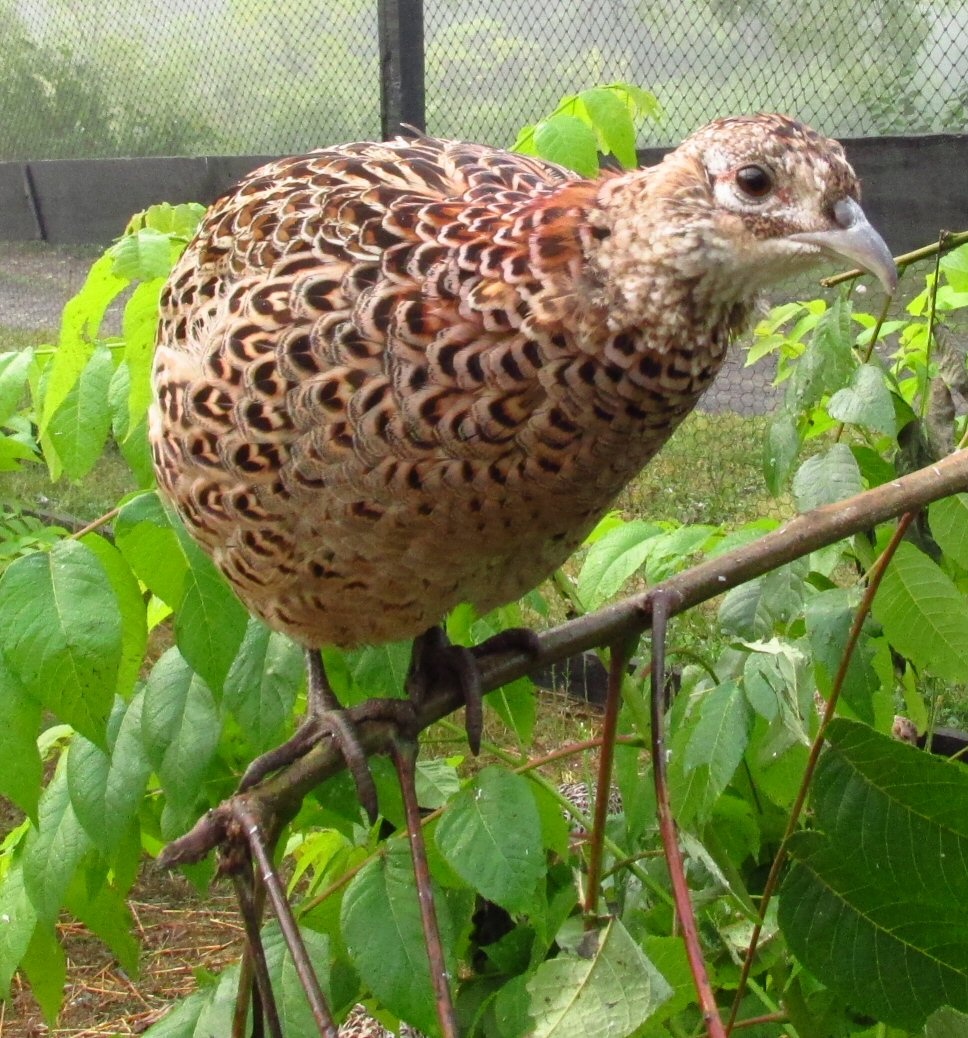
(14, 368)
(605, 988)
(829, 617)
(210, 622)
(710, 751)
(146, 538)
(780, 450)
(261, 686)
(106, 788)
(490, 835)
(181, 728)
(20, 775)
(613, 558)
(53, 850)
(80, 322)
(19, 923)
(827, 477)
(382, 899)
(61, 633)
(612, 123)
(949, 525)
(79, 427)
(131, 605)
(754, 609)
(568, 141)
(876, 903)
(139, 327)
(923, 614)
(866, 401)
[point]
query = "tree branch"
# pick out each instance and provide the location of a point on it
(283, 792)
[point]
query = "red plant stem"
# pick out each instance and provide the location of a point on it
(661, 609)
(404, 753)
(620, 653)
(287, 922)
(779, 861)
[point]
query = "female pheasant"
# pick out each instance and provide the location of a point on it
(395, 377)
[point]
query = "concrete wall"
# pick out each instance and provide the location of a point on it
(913, 187)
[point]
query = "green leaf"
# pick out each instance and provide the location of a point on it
(20, 776)
(14, 369)
(53, 850)
(613, 558)
(827, 363)
(866, 401)
(954, 265)
(490, 835)
(949, 526)
(923, 614)
(382, 899)
(712, 751)
(45, 966)
(210, 622)
(60, 629)
(612, 123)
(946, 1023)
(150, 544)
(19, 921)
(754, 609)
(106, 789)
(780, 451)
(261, 686)
(876, 904)
(516, 705)
(141, 256)
(607, 989)
(567, 140)
(829, 618)
(181, 729)
(80, 322)
(131, 605)
(827, 477)
(437, 782)
(105, 913)
(295, 1016)
(79, 427)
(378, 670)
(138, 329)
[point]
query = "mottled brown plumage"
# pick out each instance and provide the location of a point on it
(394, 377)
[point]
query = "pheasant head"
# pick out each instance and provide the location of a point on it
(743, 203)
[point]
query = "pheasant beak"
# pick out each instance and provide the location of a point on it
(853, 238)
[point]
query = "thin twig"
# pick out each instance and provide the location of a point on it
(806, 780)
(951, 240)
(404, 753)
(661, 611)
(621, 652)
(287, 923)
(264, 1007)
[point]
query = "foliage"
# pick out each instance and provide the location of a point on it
(872, 914)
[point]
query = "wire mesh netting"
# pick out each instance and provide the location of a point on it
(253, 77)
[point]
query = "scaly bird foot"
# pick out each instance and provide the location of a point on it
(324, 717)
(435, 661)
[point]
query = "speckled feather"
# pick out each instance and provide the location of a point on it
(394, 377)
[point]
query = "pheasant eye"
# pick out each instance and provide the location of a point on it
(754, 181)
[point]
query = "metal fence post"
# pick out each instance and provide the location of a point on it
(400, 25)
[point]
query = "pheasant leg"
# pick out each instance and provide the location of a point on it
(324, 716)
(435, 661)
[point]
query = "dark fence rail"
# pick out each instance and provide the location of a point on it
(913, 187)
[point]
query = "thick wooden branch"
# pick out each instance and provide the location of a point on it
(282, 793)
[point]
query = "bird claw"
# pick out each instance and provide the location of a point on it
(435, 660)
(332, 723)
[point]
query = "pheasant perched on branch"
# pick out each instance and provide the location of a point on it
(395, 377)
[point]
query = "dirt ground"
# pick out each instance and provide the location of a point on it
(182, 934)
